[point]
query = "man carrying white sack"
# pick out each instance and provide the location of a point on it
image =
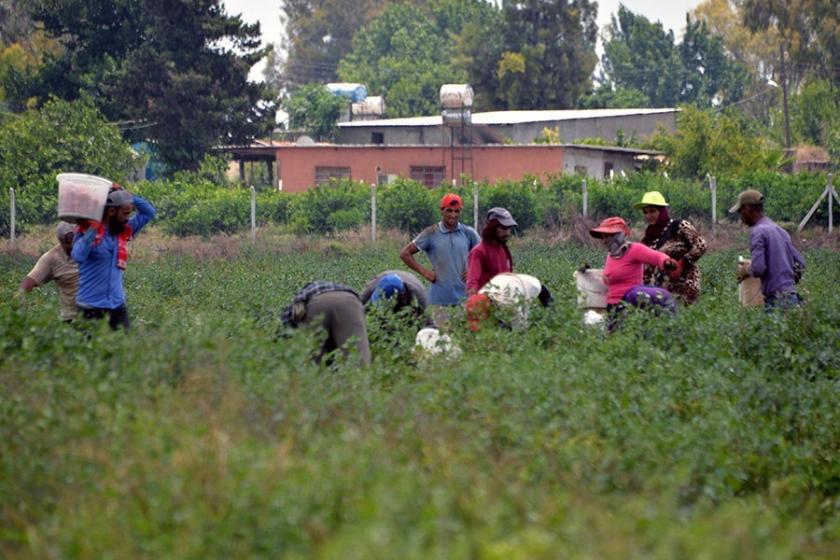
(507, 296)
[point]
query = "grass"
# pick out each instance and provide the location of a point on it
(200, 434)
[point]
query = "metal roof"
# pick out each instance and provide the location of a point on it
(255, 149)
(511, 117)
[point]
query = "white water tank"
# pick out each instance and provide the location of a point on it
(456, 96)
(372, 106)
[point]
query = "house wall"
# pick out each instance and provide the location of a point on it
(593, 161)
(570, 130)
(490, 163)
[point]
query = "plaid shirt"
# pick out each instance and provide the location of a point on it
(308, 292)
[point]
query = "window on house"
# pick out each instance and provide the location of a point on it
(377, 137)
(580, 169)
(428, 175)
(324, 174)
(608, 170)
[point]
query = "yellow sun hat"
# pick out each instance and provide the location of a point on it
(652, 198)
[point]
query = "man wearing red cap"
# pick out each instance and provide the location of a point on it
(447, 245)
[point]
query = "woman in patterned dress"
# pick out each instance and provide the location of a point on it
(678, 239)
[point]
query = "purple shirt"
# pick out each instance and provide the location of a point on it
(773, 256)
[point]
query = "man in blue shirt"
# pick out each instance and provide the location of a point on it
(773, 258)
(101, 250)
(447, 244)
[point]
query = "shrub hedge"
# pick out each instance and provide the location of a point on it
(189, 204)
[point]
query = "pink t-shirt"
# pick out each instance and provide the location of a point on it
(625, 272)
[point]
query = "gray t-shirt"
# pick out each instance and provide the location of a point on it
(448, 251)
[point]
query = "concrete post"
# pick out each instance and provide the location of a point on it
(253, 214)
(585, 199)
(12, 216)
(373, 212)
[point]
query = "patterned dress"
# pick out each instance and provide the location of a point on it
(680, 241)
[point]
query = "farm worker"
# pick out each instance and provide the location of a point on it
(678, 239)
(447, 245)
(101, 249)
(509, 297)
(491, 256)
(624, 269)
(773, 258)
(335, 308)
(400, 287)
(56, 264)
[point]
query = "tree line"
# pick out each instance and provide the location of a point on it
(174, 73)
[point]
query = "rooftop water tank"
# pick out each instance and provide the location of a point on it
(456, 96)
(353, 92)
(372, 106)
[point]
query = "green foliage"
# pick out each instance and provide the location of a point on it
(331, 207)
(406, 205)
(815, 112)
(319, 34)
(199, 434)
(314, 109)
(605, 97)
(717, 144)
(62, 137)
(183, 73)
(405, 53)
(641, 57)
(518, 197)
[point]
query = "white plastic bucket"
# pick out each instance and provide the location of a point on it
(81, 196)
(592, 292)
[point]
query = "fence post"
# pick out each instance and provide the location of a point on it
(373, 212)
(12, 216)
(585, 199)
(253, 213)
(831, 192)
(475, 206)
(713, 187)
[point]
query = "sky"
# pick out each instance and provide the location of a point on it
(670, 12)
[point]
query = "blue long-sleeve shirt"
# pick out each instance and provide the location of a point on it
(100, 281)
(773, 257)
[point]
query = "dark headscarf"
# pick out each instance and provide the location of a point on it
(654, 231)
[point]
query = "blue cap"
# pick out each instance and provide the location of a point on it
(388, 285)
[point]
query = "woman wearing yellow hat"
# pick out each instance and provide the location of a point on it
(679, 240)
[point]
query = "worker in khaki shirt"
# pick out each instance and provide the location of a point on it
(56, 264)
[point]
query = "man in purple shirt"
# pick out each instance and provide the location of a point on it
(774, 259)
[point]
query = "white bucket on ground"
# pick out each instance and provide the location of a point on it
(432, 342)
(592, 292)
(81, 196)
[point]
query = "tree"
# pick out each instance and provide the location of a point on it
(815, 111)
(315, 109)
(641, 56)
(406, 53)
(549, 53)
(607, 98)
(718, 144)
(61, 137)
(318, 34)
(178, 67)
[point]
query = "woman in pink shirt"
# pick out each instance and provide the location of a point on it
(624, 269)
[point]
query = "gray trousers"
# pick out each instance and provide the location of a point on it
(342, 315)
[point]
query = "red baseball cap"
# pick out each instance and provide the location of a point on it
(478, 310)
(610, 226)
(451, 200)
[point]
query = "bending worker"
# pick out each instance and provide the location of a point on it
(403, 288)
(508, 296)
(335, 308)
(57, 265)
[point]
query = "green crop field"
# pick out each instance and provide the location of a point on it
(202, 434)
